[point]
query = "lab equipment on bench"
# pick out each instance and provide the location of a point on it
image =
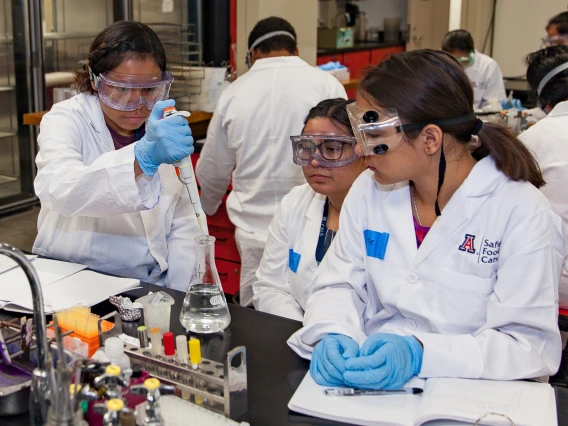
(149, 413)
(204, 307)
(157, 308)
(184, 171)
(222, 386)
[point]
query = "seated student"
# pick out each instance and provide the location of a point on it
(547, 73)
(308, 217)
(109, 198)
(557, 30)
(482, 70)
(443, 266)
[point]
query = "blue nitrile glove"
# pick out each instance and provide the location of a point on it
(515, 103)
(328, 359)
(385, 361)
(166, 141)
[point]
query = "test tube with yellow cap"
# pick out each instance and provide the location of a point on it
(195, 361)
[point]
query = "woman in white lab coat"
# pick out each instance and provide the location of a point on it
(308, 217)
(446, 264)
(547, 73)
(109, 198)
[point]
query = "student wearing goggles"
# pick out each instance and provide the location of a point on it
(556, 30)
(109, 198)
(447, 258)
(128, 92)
(308, 217)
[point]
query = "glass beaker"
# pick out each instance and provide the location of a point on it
(204, 308)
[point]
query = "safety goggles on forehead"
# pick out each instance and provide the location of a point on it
(329, 150)
(379, 132)
(466, 61)
(555, 40)
(127, 92)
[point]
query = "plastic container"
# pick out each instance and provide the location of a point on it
(114, 349)
(157, 310)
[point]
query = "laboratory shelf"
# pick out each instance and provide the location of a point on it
(7, 134)
(69, 36)
(4, 40)
(7, 88)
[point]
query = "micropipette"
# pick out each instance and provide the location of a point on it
(184, 170)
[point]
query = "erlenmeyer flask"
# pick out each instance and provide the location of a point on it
(204, 308)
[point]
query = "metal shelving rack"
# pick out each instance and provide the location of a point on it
(185, 60)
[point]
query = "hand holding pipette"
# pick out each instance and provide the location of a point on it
(184, 170)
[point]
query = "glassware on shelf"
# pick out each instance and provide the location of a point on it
(205, 308)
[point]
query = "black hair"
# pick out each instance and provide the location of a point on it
(539, 64)
(561, 22)
(116, 43)
(279, 42)
(458, 40)
(334, 109)
(426, 86)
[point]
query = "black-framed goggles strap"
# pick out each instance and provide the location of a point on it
(445, 122)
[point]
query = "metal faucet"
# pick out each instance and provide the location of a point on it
(40, 378)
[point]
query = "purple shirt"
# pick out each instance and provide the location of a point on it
(420, 231)
(120, 141)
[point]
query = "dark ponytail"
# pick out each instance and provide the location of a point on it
(426, 86)
(116, 43)
(511, 156)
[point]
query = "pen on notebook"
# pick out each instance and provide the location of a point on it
(356, 392)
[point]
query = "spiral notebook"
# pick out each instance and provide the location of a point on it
(445, 401)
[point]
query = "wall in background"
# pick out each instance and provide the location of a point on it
(519, 26)
(302, 14)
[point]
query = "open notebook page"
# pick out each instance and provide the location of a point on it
(526, 403)
(86, 288)
(395, 410)
(14, 283)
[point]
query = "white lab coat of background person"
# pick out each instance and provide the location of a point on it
(295, 226)
(548, 141)
(480, 293)
(248, 139)
(487, 80)
(94, 212)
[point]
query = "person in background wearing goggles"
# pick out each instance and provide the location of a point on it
(547, 73)
(446, 263)
(308, 217)
(109, 198)
(483, 71)
(557, 30)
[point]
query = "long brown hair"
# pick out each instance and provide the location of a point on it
(429, 85)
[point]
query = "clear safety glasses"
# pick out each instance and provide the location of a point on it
(376, 132)
(466, 61)
(127, 92)
(329, 150)
(555, 40)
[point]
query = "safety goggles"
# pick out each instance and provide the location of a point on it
(555, 40)
(329, 150)
(376, 132)
(127, 92)
(380, 132)
(466, 61)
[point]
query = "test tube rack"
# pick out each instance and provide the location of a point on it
(223, 386)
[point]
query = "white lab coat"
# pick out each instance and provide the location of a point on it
(548, 141)
(248, 140)
(94, 212)
(480, 293)
(487, 80)
(295, 226)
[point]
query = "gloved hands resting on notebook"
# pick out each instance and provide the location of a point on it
(385, 361)
(328, 359)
